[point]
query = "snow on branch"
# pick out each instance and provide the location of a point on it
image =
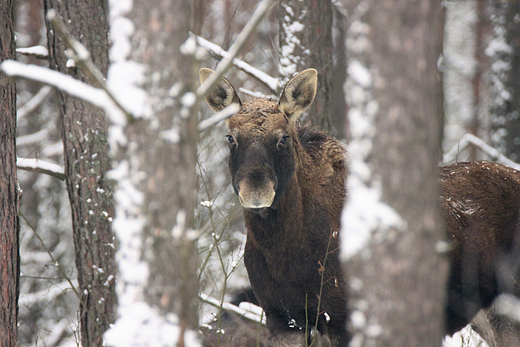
(226, 63)
(253, 313)
(271, 82)
(218, 117)
(40, 166)
(35, 101)
(81, 57)
(65, 83)
(470, 139)
(39, 52)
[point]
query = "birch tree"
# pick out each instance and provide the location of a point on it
(391, 222)
(9, 227)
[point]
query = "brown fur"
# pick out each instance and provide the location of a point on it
(293, 239)
(481, 202)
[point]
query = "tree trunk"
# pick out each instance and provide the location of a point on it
(391, 223)
(168, 161)
(306, 42)
(504, 110)
(9, 226)
(84, 135)
(504, 52)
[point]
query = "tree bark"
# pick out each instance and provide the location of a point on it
(9, 226)
(504, 52)
(169, 163)
(306, 42)
(84, 135)
(397, 276)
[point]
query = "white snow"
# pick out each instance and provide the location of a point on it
(39, 51)
(32, 163)
(66, 83)
(364, 212)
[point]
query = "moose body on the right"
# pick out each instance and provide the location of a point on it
(481, 204)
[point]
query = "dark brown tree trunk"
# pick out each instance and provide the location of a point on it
(306, 42)
(9, 226)
(398, 277)
(84, 134)
(169, 163)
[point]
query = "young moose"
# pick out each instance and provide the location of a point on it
(290, 182)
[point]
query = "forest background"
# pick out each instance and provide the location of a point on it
(113, 247)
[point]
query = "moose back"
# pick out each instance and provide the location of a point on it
(290, 183)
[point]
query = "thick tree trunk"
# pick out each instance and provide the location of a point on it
(168, 161)
(9, 227)
(84, 135)
(397, 276)
(306, 42)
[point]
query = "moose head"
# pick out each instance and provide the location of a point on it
(262, 159)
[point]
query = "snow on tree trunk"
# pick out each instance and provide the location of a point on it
(306, 42)
(156, 174)
(504, 52)
(9, 226)
(84, 135)
(391, 222)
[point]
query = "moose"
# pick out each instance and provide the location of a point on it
(290, 181)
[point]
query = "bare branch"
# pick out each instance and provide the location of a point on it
(272, 83)
(32, 138)
(218, 117)
(66, 83)
(470, 139)
(55, 262)
(35, 101)
(259, 95)
(82, 59)
(40, 166)
(48, 294)
(251, 315)
(226, 63)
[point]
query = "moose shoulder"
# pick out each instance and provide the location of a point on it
(290, 183)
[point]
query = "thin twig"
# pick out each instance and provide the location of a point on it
(272, 83)
(55, 262)
(35, 101)
(218, 117)
(468, 139)
(82, 59)
(234, 50)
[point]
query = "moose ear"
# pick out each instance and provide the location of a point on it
(221, 95)
(299, 94)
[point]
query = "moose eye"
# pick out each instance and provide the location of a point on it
(283, 140)
(231, 139)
